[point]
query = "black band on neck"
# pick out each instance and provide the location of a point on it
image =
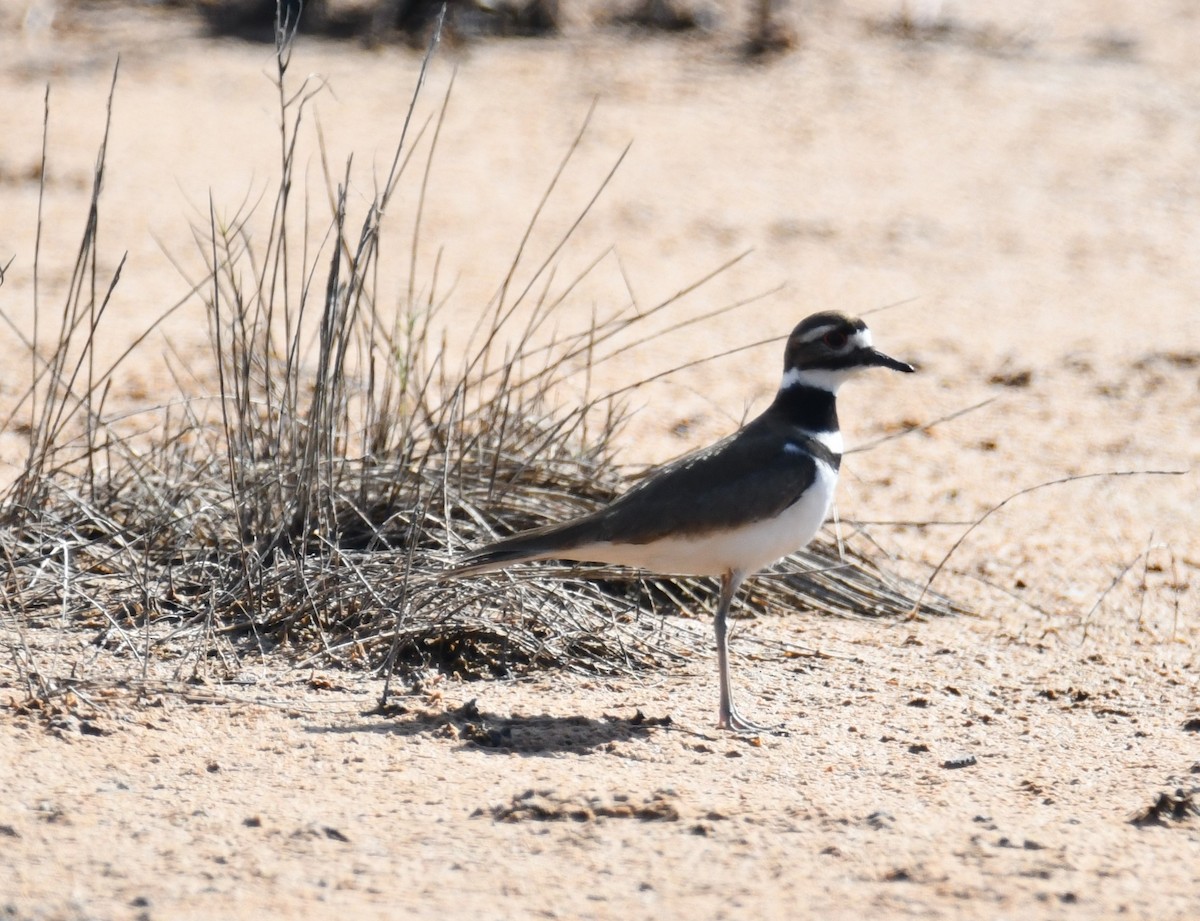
(808, 408)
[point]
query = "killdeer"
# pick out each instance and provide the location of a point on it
(733, 508)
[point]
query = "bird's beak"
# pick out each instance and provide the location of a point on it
(876, 357)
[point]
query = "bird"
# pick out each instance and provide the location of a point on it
(733, 508)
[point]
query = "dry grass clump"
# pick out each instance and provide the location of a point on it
(346, 460)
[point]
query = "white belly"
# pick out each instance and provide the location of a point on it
(746, 549)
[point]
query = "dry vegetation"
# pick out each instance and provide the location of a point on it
(346, 458)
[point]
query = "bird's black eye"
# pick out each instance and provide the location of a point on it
(835, 339)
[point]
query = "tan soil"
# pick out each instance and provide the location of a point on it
(1028, 186)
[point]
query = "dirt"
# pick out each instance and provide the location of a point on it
(1018, 185)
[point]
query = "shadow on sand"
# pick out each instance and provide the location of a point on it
(525, 735)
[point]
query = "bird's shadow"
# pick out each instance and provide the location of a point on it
(524, 735)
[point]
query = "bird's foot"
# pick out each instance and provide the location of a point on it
(735, 722)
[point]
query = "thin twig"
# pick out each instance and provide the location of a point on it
(1024, 492)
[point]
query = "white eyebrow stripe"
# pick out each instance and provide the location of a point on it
(814, 334)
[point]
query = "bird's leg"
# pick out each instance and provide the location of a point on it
(728, 584)
(729, 718)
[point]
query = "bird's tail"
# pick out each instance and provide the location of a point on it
(545, 543)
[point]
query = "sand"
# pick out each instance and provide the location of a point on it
(1022, 192)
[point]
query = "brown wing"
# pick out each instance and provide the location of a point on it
(745, 478)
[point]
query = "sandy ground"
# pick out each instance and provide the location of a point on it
(1026, 188)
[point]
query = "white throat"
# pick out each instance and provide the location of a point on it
(828, 379)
